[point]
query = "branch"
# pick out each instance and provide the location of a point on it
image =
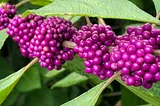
(21, 3)
(31, 63)
(70, 44)
(111, 79)
(88, 21)
(157, 16)
(102, 21)
(69, 19)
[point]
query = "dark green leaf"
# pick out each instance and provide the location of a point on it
(29, 81)
(157, 5)
(8, 83)
(148, 97)
(138, 3)
(3, 37)
(126, 98)
(41, 2)
(60, 96)
(77, 65)
(70, 80)
(88, 98)
(97, 8)
(41, 97)
(48, 75)
(5, 68)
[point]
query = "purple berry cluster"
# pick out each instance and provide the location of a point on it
(92, 45)
(48, 40)
(134, 56)
(147, 33)
(7, 12)
(22, 30)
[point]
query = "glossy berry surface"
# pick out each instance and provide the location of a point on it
(47, 43)
(22, 31)
(92, 45)
(7, 12)
(137, 47)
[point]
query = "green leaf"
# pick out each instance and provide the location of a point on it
(148, 97)
(70, 80)
(145, 105)
(88, 98)
(5, 68)
(11, 99)
(73, 20)
(41, 2)
(127, 101)
(41, 97)
(77, 65)
(53, 73)
(157, 5)
(29, 81)
(3, 1)
(138, 3)
(60, 96)
(97, 8)
(48, 75)
(3, 37)
(154, 91)
(8, 83)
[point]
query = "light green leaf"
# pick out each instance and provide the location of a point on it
(29, 81)
(3, 37)
(88, 98)
(70, 80)
(157, 5)
(41, 2)
(97, 8)
(8, 83)
(148, 97)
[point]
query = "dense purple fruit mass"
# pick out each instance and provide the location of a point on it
(132, 53)
(22, 31)
(7, 12)
(43, 38)
(92, 45)
(135, 51)
(104, 53)
(47, 42)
